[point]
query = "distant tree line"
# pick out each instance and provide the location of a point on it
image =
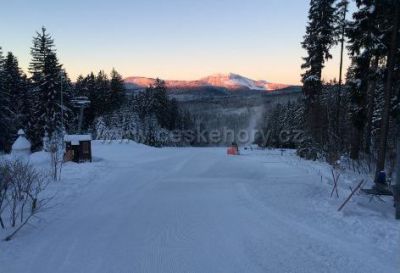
(359, 118)
(146, 117)
(44, 101)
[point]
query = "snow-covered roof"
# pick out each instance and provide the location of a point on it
(77, 138)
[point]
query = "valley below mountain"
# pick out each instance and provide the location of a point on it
(227, 101)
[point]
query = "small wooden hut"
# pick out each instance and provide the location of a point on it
(78, 148)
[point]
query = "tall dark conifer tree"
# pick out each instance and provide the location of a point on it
(392, 12)
(341, 12)
(86, 86)
(117, 90)
(161, 103)
(15, 86)
(103, 94)
(320, 37)
(46, 80)
(4, 106)
(368, 48)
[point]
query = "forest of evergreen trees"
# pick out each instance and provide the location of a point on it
(357, 117)
(37, 102)
(360, 117)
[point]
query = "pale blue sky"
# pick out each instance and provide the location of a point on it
(173, 39)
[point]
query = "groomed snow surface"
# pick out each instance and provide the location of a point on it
(141, 209)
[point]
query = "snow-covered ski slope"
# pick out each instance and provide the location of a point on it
(141, 209)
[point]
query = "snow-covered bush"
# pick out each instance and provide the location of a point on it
(56, 148)
(21, 186)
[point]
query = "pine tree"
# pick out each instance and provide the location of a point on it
(97, 89)
(160, 106)
(365, 48)
(320, 37)
(4, 106)
(117, 90)
(393, 46)
(102, 94)
(173, 114)
(46, 80)
(341, 12)
(87, 87)
(15, 88)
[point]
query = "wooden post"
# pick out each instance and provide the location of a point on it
(351, 195)
(335, 183)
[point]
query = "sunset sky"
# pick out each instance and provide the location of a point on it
(175, 39)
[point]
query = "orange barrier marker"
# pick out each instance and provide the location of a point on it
(232, 151)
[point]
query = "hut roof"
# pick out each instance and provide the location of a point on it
(75, 139)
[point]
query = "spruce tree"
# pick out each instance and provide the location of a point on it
(15, 87)
(160, 108)
(320, 37)
(102, 94)
(392, 19)
(117, 90)
(362, 34)
(341, 12)
(88, 88)
(46, 81)
(173, 114)
(4, 106)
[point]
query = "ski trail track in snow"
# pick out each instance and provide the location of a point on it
(194, 210)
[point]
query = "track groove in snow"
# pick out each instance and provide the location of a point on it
(195, 210)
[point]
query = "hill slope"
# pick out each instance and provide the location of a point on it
(229, 82)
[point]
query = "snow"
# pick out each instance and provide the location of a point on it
(235, 79)
(21, 143)
(312, 78)
(372, 9)
(142, 209)
(75, 139)
(21, 148)
(229, 81)
(232, 80)
(40, 158)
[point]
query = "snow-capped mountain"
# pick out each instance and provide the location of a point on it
(235, 81)
(229, 81)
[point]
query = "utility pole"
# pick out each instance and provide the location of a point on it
(81, 103)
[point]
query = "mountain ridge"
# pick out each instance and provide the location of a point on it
(230, 81)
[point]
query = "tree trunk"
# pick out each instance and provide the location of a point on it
(388, 93)
(339, 94)
(371, 107)
(397, 184)
(312, 91)
(356, 143)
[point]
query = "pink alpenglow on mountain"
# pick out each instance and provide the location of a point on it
(229, 81)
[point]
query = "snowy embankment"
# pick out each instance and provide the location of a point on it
(141, 209)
